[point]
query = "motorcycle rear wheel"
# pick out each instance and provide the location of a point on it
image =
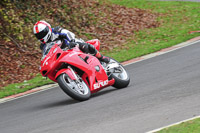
(78, 90)
(120, 75)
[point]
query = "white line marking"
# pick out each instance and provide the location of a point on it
(156, 130)
(178, 46)
(43, 88)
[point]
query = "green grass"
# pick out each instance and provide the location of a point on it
(185, 127)
(177, 19)
(22, 87)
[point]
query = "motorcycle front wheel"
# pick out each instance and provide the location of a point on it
(78, 90)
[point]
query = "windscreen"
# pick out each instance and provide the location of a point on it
(48, 47)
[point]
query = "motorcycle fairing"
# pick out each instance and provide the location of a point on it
(67, 71)
(95, 78)
(88, 66)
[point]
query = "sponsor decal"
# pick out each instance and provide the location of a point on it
(100, 84)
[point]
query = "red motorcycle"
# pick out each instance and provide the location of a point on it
(79, 74)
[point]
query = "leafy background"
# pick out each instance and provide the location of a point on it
(88, 19)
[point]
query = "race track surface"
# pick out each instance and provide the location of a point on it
(163, 90)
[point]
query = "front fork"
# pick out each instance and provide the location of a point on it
(77, 80)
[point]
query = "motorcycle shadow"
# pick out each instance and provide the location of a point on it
(103, 92)
(54, 104)
(70, 101)
(61, 103)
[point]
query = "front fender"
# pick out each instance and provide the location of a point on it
(67, 71)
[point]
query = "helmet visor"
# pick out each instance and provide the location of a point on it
(43, 33)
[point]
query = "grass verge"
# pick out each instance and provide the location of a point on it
(177, 19)
(185, 127)
(24, 86)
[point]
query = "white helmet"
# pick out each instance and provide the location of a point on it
(42, 31)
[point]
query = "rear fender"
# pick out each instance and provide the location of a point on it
(67, 71)
(95, 43)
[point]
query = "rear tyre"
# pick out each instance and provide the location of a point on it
(120, 75)
(78, 90)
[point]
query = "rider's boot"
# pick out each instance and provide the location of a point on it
(102, 58)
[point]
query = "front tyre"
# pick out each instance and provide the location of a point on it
(78, 90)
(120, 75)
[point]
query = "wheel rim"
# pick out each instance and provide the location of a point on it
(119, 72)
(79, 86)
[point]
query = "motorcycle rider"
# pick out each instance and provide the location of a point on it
(46, 34)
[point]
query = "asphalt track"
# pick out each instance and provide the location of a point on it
(163, 90)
